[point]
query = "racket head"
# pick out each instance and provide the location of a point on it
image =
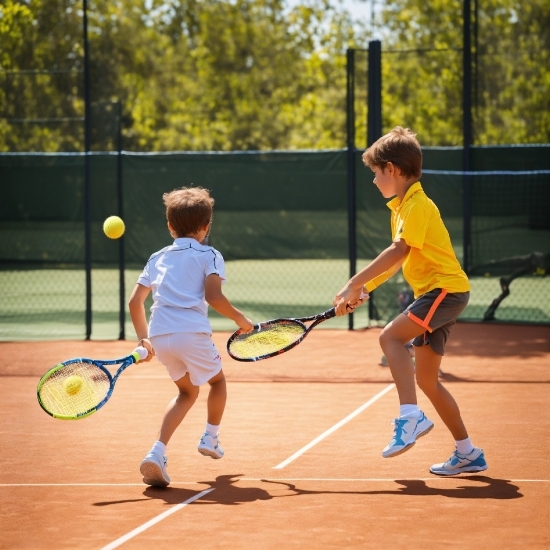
(79, 387)
(60, 400)
(267, 340)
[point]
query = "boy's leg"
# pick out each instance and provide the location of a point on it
(217, 398)
(178, 407)
(466, 458)
(412, 422)
(153, 466)
(209, 444)
(427, 377)
(392, 340)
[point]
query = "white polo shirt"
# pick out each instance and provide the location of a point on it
(176, 276)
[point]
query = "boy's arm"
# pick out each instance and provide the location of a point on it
(136, 305)
(382, 278)
(215, 297)
(386, 264)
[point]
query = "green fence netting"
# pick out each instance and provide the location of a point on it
(281, 222)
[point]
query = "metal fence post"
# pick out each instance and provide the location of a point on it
(466, 130)
(374, 125)
(87, 174)
(120, 200)
(350, 119)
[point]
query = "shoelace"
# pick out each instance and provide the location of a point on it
(399, 427)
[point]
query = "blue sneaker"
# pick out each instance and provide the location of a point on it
(457, 464)
(153, 469)
(407, 429)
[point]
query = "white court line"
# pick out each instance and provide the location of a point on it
(384, 479)
(334, 428)
(328, 479)
(141, 528)
(90, 484)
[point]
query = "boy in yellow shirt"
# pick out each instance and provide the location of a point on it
(422, 247)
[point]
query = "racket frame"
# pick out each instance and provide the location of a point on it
(317, 319)
(124, 362)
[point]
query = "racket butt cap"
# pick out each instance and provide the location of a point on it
(140, 353)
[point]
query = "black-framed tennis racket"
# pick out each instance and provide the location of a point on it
(79, 387)
(274, 337)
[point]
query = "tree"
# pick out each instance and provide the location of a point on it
(219, 75)
(423, 87)
(255, 74)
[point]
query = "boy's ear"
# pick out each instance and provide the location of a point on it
(394, 170)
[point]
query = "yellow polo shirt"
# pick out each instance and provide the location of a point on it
(431, 262)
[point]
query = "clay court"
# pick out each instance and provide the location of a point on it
(303, 434)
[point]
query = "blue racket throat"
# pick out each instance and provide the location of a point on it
(79, 387)
(273, 337)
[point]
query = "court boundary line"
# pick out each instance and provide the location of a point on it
(116, 543)
(383, 479)
(336, 426)
(90, 484)
(321, 479)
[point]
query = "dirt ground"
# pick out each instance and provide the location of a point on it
(303, 434)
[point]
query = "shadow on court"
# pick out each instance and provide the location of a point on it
(448, 377)
(227, 493)
(499, 489)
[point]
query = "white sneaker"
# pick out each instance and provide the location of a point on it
(153, 469)
(407, 429)
(210, 446)
(457, 464)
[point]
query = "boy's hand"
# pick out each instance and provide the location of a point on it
(245, 325)
(146, 343)
(348, 299)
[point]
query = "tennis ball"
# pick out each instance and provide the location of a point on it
(113, 227)
(73, 384)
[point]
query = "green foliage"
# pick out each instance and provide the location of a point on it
(216, 75)
(423, 89)
(256, 74)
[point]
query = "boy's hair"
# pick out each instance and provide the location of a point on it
(188, 209)
(401, 148)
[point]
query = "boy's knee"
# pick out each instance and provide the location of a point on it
(190, 393)
(385, 337)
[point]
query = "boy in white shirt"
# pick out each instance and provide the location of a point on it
(184, 278)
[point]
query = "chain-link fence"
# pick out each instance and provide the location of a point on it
(281, 222)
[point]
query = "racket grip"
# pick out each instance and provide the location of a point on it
(364, 296)
(142, 352)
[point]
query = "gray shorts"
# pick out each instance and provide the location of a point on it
(436, 311)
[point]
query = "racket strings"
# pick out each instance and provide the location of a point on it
(74, 389)
(270, 339)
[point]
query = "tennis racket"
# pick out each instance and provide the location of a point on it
(273, 337)
(79, 387)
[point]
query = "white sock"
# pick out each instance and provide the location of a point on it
(212, 430)
(159, 448)
(464, 447)
(409, 409)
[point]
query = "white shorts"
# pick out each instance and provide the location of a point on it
(188, 352)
